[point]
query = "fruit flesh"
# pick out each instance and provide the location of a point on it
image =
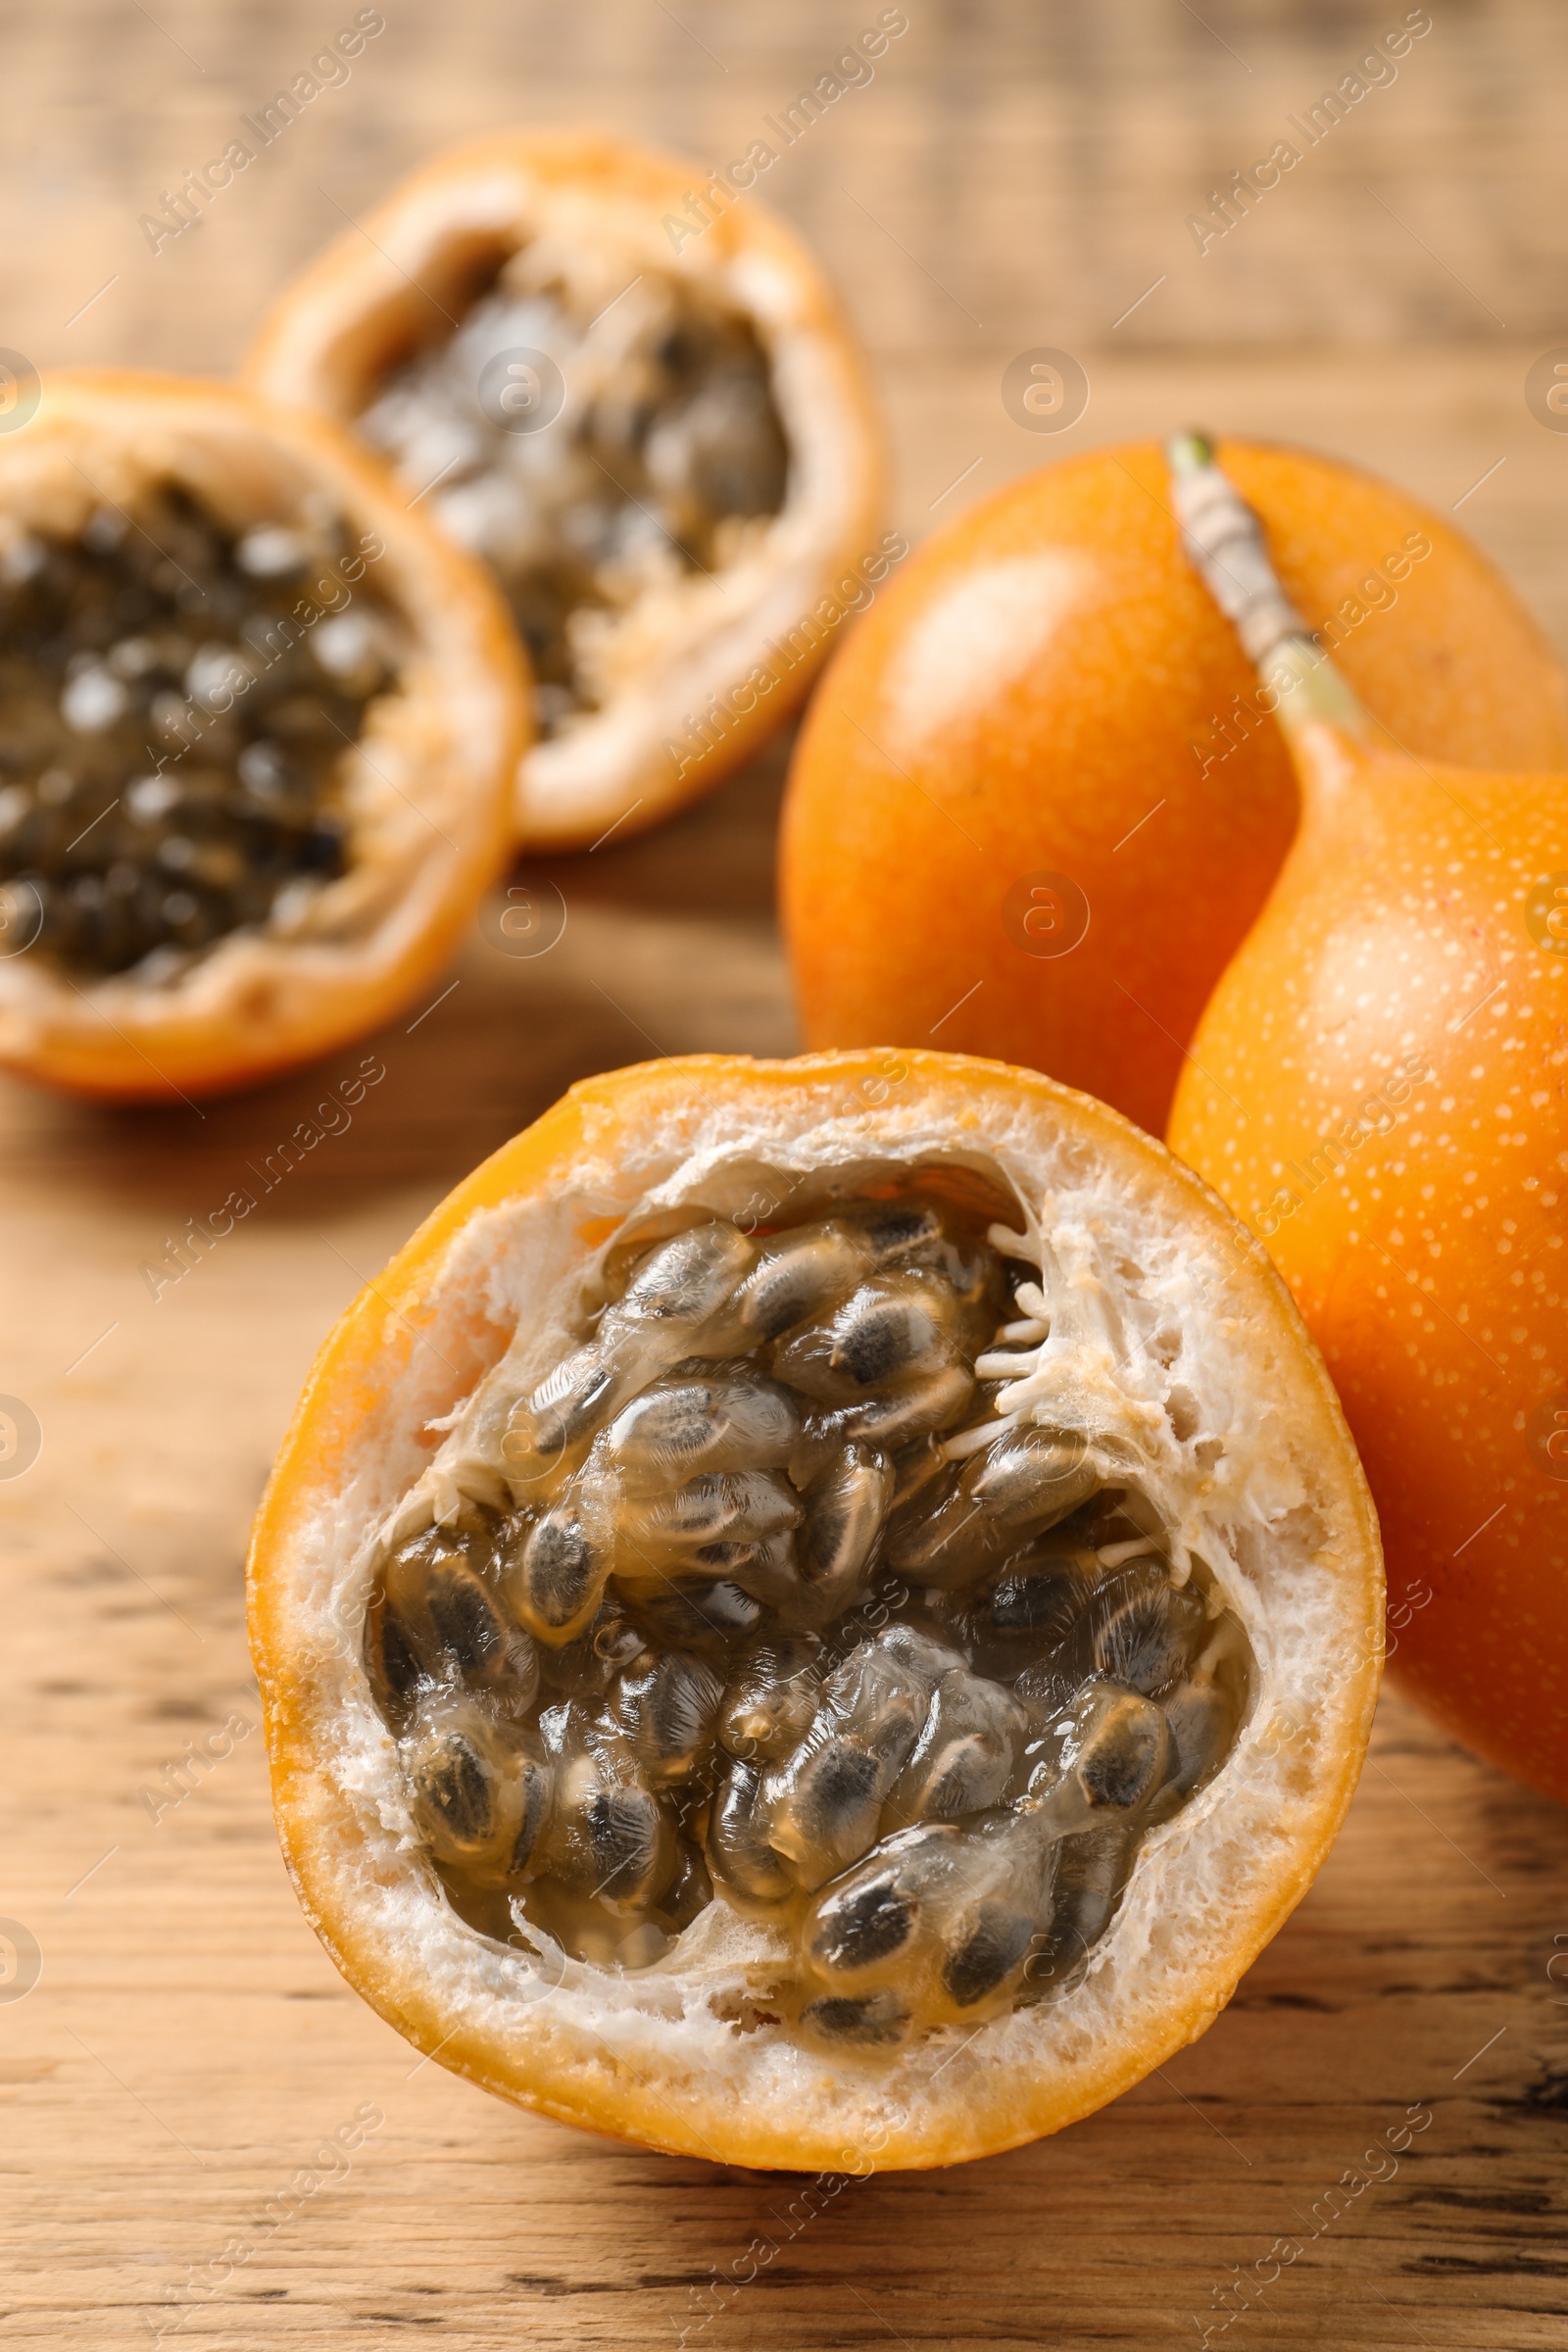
(1046, 692)
(171, 739)
(1378, 1087)
(668, 446)
(744, 1621)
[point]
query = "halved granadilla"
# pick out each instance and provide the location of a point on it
(637, 400)
(818, 1615)
(256, 725)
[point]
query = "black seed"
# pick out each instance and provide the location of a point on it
(1043, 1605)
(1205, 1712)
(968, 1774)
(623, 1827)
(698, 1616)
(838, 1792)
(666, 1427)
(465, 1621)
(799, 1274)
(1030, 1627)
(845, 1510)
(896, 1230)
(735, 451)
(725, 1557)
(564, 1406)
(737, 1840)
(679, 351)
(988, 1956)
(391, 1661)
(687, 1279)
(935, 1399)
(1032, 1478)
(890, 1330)
(772, 1575)
(940, 1535)
(456, 1786)
(874, 1349)
(1091, 1870)
(770, 1704)
(536, 1794)
(864, 1924)
(745, 1506)
(668, 1708)
(875, 2021)
(683, 1428)
(1125, 1755)
(1119, 1774)
(1145, 1633)
(559, 1566)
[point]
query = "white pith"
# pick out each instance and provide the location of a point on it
(1151, 1314)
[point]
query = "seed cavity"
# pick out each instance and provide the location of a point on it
(633, 447)
(752, 1629)
(174, 734)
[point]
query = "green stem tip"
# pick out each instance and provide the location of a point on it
(1187, 452)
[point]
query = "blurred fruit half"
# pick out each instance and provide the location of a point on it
(259, 724)
(629, 389)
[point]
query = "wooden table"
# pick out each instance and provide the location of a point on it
(1007, 180)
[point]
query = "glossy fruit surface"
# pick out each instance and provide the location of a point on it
(1167, 1344)
(1380, 1088)
(1035, 806)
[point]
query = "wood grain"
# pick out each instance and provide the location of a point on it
(1015, 177)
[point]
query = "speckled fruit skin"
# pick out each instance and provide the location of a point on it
(1406, 992)
(1026, 697)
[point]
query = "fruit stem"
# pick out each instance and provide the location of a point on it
(1224, 539)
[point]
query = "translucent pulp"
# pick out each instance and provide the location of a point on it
(643, 453)
(780, 1614)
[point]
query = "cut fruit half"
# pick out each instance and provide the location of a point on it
(819, 1614)
(257, 728)
(637, 400)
